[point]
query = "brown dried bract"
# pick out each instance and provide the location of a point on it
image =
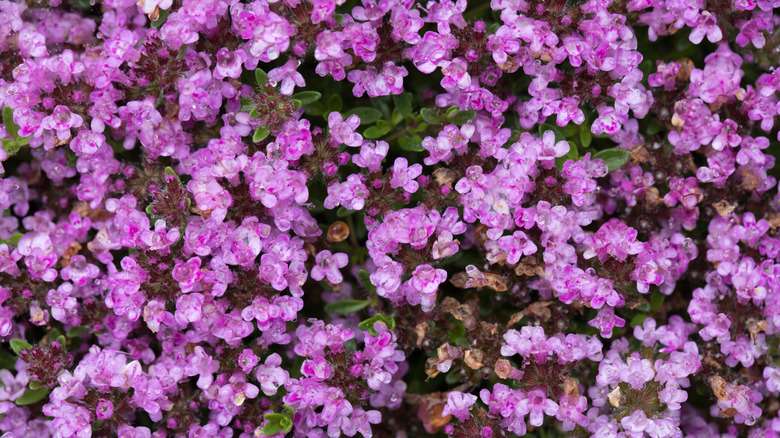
(430, 412)
(474, 358)
(489, 329)
(503, 368)
(205, 214)
(615, 397)
(723, 207)
(774, 220)
(718, 385)
(495, 282)
(749, 181)
(634, 302)
(570, 387)
(652, 197)
(639, 153)
(155, 15)
(475, 279)
(70, 251)
(530, 267)
(421, 330)
(480, 233)
(337, 232)
(756, 327)
(511, 65)
(686, 66)
(445, 177)
(538, 309)
(95, 215)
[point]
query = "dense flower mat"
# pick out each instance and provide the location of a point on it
(393, 219)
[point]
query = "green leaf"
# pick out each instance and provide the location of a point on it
(451, 111)
(345, 307)
(403, 103)
(464, 117)
(32, 396)
(286, 423)
(161, 19)
(343, 212)
(261, 77)
(170, 172)
(377, 131)
(335, 103)
(260, 134)
(307, 97)
(429, 116)
(34, 385)
(656, 300)
(411, 144)
(297, 103)
(367, 114)
(420, 128)
(614, 158)
(654, 127)
(18, 345)
(365, 278)
(8, 121)
(13, 240)
(255, 113)
(247, 104)
(182, 51)
(76, 331)
(639, 319)
(585, 137)
(314, 109)
(277, 423)
(368, 324)
(271, 428)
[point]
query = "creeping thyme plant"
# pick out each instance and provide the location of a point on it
(326, 218)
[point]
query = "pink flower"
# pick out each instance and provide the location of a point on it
(426, 279)
(188, 274)
(327, 265)
(61, 120)
(343, 131)
(288, 76)
(458, 404)
(404, 175)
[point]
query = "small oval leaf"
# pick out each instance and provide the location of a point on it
(367, 114)
(307, 97)
(260, 134)
(32, 396)
(614, 158)
(345, 307)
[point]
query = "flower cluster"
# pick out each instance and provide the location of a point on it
(325, 218)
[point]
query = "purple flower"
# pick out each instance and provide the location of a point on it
(458, 404)
(637, 373)
(343, 131)
(104, 409)
(288, 76)
(327, 265)
(614, 239)
(426, 279)
(536, 405)
(229, 63)
(61, 120)
(404, 175)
